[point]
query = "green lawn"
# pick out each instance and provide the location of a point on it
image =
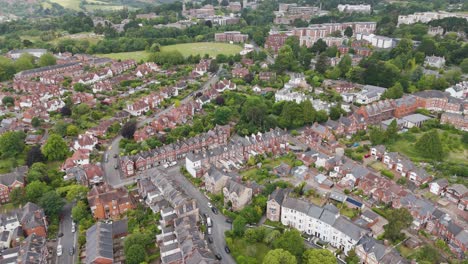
(254, 252)
(136, 55)
(202, 48)
(92, 38)
(71, 4)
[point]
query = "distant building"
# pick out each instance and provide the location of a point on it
(377, 41)
(434, 61)
(354, 8)
(15, 54)
(426, 17)
(231, 36)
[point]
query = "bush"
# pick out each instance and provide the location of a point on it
(387, 174)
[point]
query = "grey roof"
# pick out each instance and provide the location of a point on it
(278, 195)
(215, 174)
(370, 245)
(296, 204)
(17, 175)
(337, 196)
(442, 182)
(46, 68)
(328, 217)
(238, 188)
(370, 214)
(99, 242)
(463, 237)
(416, 118)
(459, 188)
(360, 171)
(349, 228)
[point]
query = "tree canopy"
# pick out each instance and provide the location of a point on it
(12, 143)
(55, 148)
(430, 146)
(279, 256)
(318, 256)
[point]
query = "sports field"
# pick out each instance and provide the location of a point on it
(136, 55)
(202, 48)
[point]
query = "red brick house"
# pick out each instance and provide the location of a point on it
(106, 202)
(267, 76)
(274, 42)
(10, 181)
(240, 72)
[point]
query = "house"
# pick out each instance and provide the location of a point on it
(324, 223)
(202, 67)
(79, 157)
(378, 151)
(415, 120)
(85, 141)
(354, 8)
(231, 36)
(215, 180)
(275, 200)
(377, 41)
(33, 250)
(438, 187)
(237, 195)
(240, 72)
(106, 202)
(224, 85)
(138, 108)
(457, 193)
(15, 54)
(434, 61)
(459, 90)
(100, 241)
(30, 218)
(267, 76)
(275, 41)
(10, 181)
(459, 121)
(371, 251)
(369, 94)
(282, 170)
(323, 181)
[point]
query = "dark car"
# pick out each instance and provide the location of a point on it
(215, 211)
(115, 156)
(210, 240)
(60, 235)
(205, 215)
(71, 251)
(218, 256)
(228, 220)
(226, 248)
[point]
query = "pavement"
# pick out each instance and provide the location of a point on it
(111, 175)
(69, 239)
(219, 221)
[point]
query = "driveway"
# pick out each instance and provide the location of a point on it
(69, 239)
(111, 175)
(219, 221)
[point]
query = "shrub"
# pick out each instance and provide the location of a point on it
(387, 174)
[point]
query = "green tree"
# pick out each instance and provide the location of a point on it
(391, 133)
(398, 219)
(348, 32)
(430, 146)
(38, 172)
(376, 136)
(464, 65)
(352, 257)
(136, 254)
(142, 239)
(335, 112)
(285, 61)
(309, 112)
(47, 60)
(80, 211)
(222, 115)
(34, 155)
(291, 241)
(72, 130)
(8, 101)
(24, 62)
(321, 116)
(12, 143)
(36, 122)
(322, 64)
(73, 192)
(405, 46)
(318, 256)
(279, 256)
(238, 226)
(394, 92)
(17, 196)
(319, 46)
(55, 148)
(52, 203)
(35, 190)
(345, 65)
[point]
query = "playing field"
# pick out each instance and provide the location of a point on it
(203, 48)
(71, 4)
(136, 55)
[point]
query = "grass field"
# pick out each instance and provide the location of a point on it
(136, 55)
(203, 48)
(71, 4)
(91, 37)
(254, 252)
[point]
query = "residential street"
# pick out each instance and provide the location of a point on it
(112, 175)
(219, 221)
(69, 239)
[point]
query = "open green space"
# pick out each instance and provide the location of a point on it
(254, 252)
(136, 55)
(91, 37)
(71, 4)
(202, 48)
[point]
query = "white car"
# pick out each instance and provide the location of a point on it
(73, 227)
(210, 205)
(59, 250)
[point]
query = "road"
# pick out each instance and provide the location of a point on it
(219, 221)
(69, 239)
(112, 175)
(269, 59)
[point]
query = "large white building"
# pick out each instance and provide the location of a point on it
(377, 41)
(326, 223)
(425, 17)
(354, 8)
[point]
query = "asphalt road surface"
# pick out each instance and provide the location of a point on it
(219, 221)
(112, 175)
(69, 239)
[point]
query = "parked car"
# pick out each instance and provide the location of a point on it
(215, 210)
(210, 205)
(115, 156)
(228, 220)
(367, 156)
(210, 240)
(59, 250)
(209, 230)
(116, 166)
(60, 235)
(218, 256)
(226, 248)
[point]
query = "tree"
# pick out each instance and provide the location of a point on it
(12, 143)
(65, 111)
(52, 203)
(35, 190)
(345, 65)
(318, 256)
(464, 65)
(47, 60)
(74, 192)
(137, 239)
(55, 148)
(8, 101)
(38, 172)
(17, 196)
(214, 67)
(285, 61)
(321, 116)
(136, 254)
(279, 256)
(376, 136)
(430, 146)
(348, 32)
(72, 131)
(335, 112)
(80, 211)
(319, 46)
(309, 112)
(24, 62)
(405, 46)
(222, 115)
(322, 63)
(394, 92)
(238, 226)
(291, 241)
(352, 257)
(392, 131)
(128, 130)
(36, 122)
(398, 219)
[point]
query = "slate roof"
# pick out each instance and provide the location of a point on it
(17, 175)
(99, 243)
(370, 245)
